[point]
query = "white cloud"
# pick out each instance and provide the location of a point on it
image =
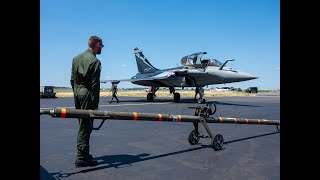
(123, 65)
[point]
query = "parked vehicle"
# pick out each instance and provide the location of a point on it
(47, 92)
(252, 90)
(223, 89)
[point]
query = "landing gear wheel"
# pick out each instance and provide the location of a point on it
(150, 97)
(217, 142)
(176, 97)
(194, 137)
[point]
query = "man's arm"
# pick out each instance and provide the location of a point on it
(72, 80)
(95, 81)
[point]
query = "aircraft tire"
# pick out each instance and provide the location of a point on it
(176, 97)
(150, 97)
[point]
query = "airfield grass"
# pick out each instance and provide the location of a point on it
(162, 93)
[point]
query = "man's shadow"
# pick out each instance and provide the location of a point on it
(125, 160)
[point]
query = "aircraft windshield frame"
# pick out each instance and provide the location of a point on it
(214, 62)
(195, 58)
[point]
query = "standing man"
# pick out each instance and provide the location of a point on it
(85, 82)
(196, 93)
(201, 93)
(114, 92)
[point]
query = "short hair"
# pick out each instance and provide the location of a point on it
(93, 40)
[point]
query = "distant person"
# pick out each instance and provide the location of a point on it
(85, 82)
(201, 93)
(196, 93)
(114, 90)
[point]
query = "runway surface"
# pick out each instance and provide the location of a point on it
(160, 150)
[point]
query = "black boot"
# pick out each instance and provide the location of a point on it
(90, 156)
(86, 162)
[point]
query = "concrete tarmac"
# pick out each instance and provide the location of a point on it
(160, 150)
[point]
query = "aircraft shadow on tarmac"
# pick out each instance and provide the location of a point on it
(233, 104)
(125, 160)
(155, 100)
(171, 100)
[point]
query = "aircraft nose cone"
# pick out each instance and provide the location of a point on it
(246, 76)
(234, 76)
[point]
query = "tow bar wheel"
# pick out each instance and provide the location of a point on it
(194, 137)
(217, 142)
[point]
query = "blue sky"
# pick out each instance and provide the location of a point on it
(245, 30)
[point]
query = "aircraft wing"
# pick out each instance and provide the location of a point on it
(160, 76)
(133, 79)
(113, 81)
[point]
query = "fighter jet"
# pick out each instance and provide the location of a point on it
(195, 71)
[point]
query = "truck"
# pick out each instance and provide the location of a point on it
(252, 90)
(47, 92)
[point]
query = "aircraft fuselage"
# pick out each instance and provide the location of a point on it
(191, 77)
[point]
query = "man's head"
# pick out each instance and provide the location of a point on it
(95, 44)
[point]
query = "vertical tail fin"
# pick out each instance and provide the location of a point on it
(144, 66)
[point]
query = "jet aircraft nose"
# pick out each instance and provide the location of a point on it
(236, 76)
(245, 76)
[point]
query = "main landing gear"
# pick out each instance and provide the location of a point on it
(152, 93)
(176, 96)
(150, 97)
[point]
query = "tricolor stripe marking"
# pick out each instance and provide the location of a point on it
(63, 112)
(135, 116)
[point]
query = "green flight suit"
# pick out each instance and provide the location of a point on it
(85, 82)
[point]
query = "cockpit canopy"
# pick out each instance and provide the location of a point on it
(196, 60)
